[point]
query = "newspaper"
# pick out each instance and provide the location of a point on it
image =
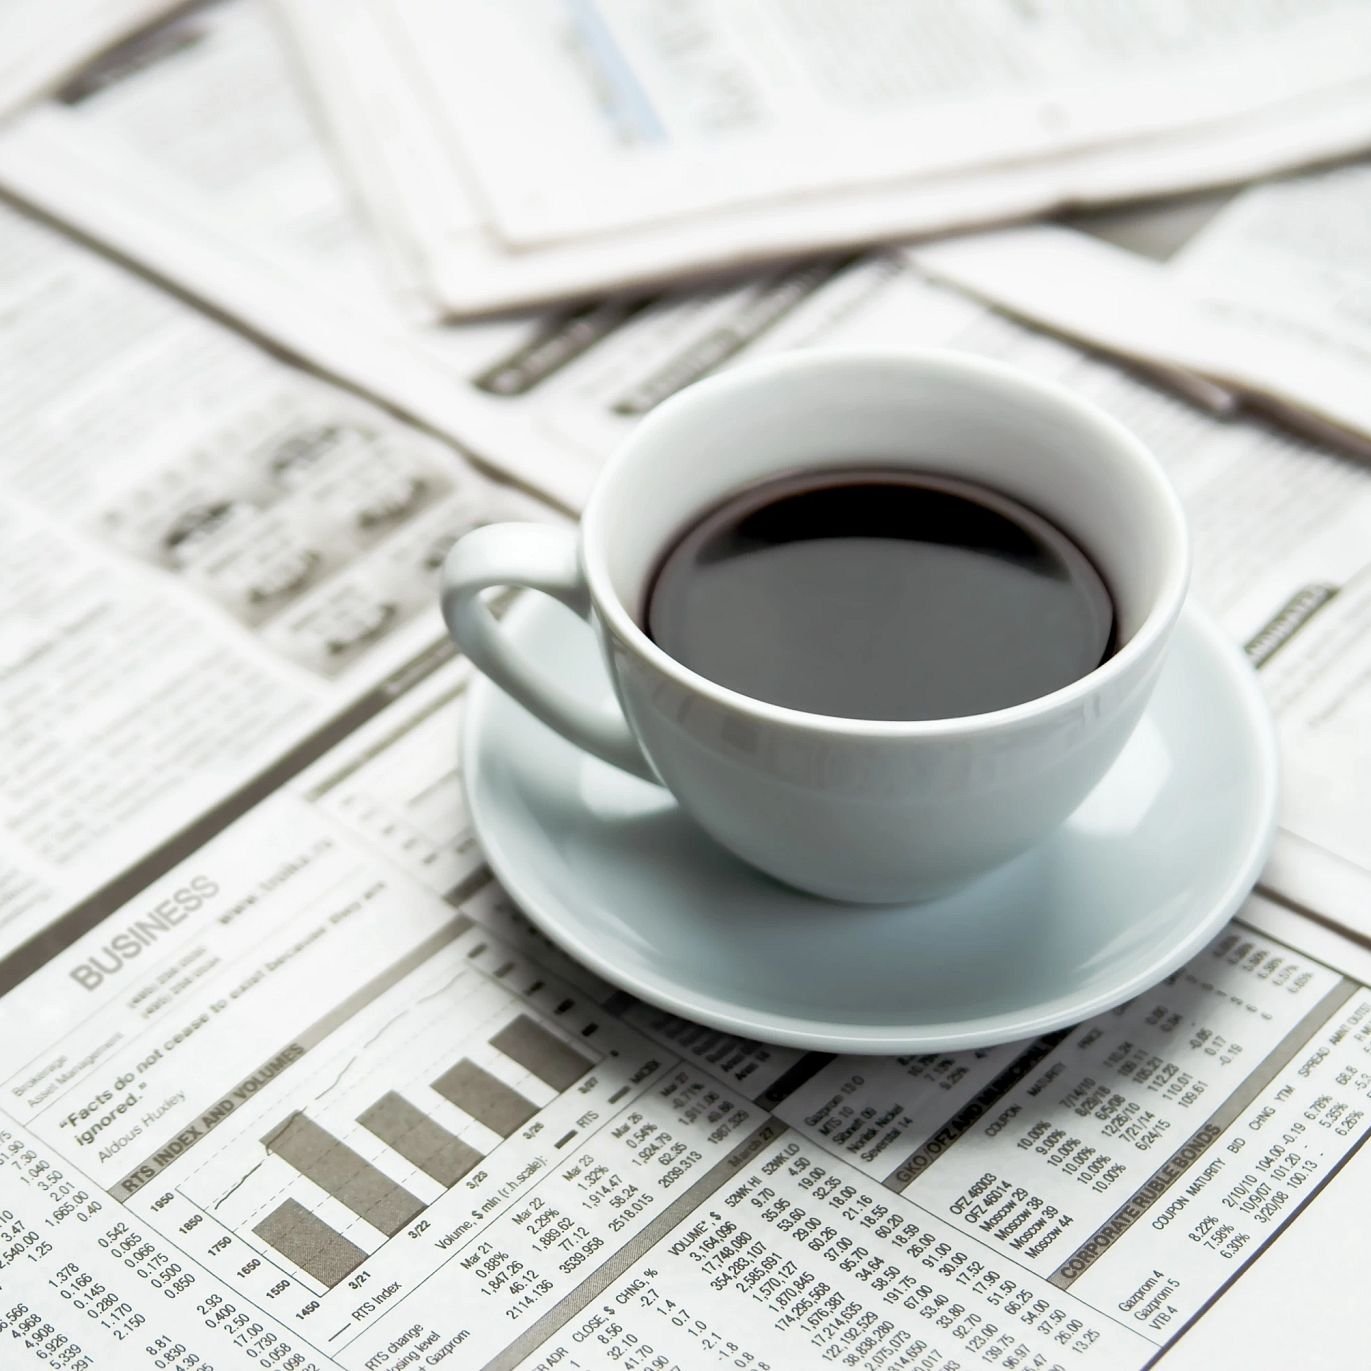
(301, 1086)
(1280, 524)
(43, 41)
(301, 1101)
(642, 141)
(210, 101)
(132, 134)
(289, 1081)
(1267, 298)
(243, 201)
(209, 556)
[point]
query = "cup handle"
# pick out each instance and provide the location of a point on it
(544, 558)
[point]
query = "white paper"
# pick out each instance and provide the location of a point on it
(258, 167)
(1267, 298)
(247, 212)
(625, 113)
(402, 137)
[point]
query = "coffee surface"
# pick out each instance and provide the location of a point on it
(880, 595)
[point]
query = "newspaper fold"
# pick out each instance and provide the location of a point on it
(1268, 298)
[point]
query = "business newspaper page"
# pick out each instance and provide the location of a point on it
(291, 1081)
(317, 1095)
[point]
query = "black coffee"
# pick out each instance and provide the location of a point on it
(880, 595)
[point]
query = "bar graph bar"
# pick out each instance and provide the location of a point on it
(333, 1166)
(418, 1139)
(485, 1097)
(527, 1042)
(310, 1243)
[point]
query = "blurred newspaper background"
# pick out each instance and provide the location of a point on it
(293, 293)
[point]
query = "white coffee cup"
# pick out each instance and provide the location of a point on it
(852, 809)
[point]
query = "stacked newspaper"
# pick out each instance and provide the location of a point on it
(516, 152)
(289, 1083)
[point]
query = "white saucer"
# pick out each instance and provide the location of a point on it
(1154, 862)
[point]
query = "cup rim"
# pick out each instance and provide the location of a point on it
(1158, 621)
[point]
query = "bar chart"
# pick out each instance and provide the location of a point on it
(310, 1243)
(472, 1073)
(369, 1192)
(418, 1139)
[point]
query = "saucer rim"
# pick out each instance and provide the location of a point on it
(1240, 686)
